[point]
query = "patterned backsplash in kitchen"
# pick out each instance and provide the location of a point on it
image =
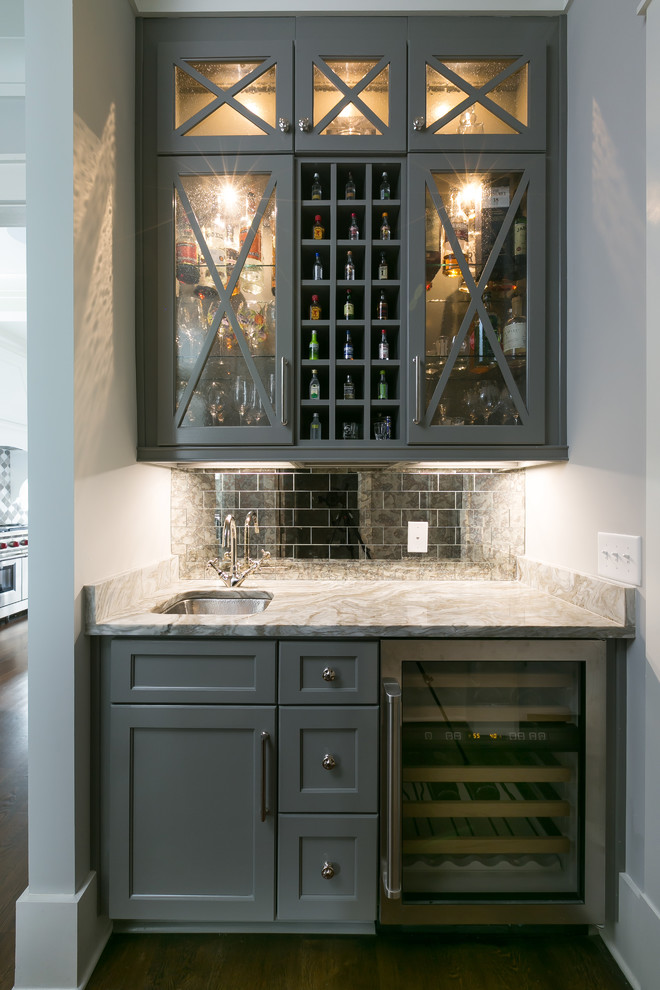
(475, 517)
(13, 509)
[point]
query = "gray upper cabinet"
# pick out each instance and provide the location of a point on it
(478, 83)
(350, 84)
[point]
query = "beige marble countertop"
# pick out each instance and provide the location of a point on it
(580, 608)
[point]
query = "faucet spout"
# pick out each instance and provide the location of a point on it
(234, 577)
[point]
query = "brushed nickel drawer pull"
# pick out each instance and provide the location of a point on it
(328, 871)
(328, 674)
(329, 762)
(264, 756)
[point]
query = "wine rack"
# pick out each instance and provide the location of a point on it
(352, 421)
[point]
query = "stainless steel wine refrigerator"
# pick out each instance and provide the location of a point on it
(493, 784)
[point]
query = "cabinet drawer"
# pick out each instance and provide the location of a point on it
(327, 867)
(334, 673)
(192, 672)
(328, 759)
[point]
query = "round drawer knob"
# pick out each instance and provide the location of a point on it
(328, 871)
(329, 762)
(328, 674)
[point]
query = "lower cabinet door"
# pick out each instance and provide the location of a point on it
(191, 814)
(327, 868)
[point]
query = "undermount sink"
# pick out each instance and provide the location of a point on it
(219, 602)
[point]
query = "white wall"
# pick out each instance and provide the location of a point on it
(603, 487)
(93, 510)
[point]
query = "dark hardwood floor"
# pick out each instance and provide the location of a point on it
(275, 962)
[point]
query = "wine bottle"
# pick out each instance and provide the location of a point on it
(314, 386)
(383, 308)
(383, 268)
(313, 347)
(382, 386)
(317, 270)
(514, 334)
(384, 186)
(317, 192)
(315, 428)
(349, 306)
(349, 191)
(383, 347)
(349, 268)
(385, 232)
(348, 347)
(353, 230)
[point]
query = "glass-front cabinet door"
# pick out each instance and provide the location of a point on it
(477, 284)
(477, 84)
(351, 84)
(224, 334)
(225, 95)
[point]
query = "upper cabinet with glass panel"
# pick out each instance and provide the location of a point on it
(225, 97)
(350, 84)
(464, 93)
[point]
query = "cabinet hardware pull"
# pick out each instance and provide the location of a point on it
(284, 418)
(284, 125)
(328, 871)
(264, 747)
(417, 365)
(328, 674)
(392, 875)
(418, 124)
(304, 124)
(329, 762)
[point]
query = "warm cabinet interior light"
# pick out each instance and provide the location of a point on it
(469, 199)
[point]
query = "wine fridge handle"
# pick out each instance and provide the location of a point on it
(264, 757)
(417, 364)
(392, 875)
(284, 417)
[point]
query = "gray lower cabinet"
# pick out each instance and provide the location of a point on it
(197, 760)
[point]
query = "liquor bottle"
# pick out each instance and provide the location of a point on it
(318, 230)
(349, 306)
(382, 386)
(315, 428)
(314, 386)
(383, 269)
(514, 334)
(458, 221)
(314, 347)
(383, 308)
(349, 268)
(353, 230)
(385, 231)
(520, 245)
(383, 347)
(384, 187)
(480, 346)
(348, 347)
(349, 192)
(349, 388)
(317, 192)
(187, 257)
(254, 251)
(315, 309)
(317, 271)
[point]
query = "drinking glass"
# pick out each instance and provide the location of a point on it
(240, 397)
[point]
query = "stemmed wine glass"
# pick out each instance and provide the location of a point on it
(489, 399)
(241, 397)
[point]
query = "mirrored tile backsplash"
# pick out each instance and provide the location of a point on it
(340, 518)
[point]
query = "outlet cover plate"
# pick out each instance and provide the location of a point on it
(418, 537)
(620, 557)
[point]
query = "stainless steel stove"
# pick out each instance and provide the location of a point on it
(13, 568)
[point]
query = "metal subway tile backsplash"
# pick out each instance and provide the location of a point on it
(475, 517)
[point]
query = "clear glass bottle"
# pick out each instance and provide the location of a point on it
(382, 386)
(383, 347)
(385, 186)
(314, 385)
(348, 347)
(349, 267)
(314, 347)
(349, 306)
(349, 191)
(318, 230)
(385, 231)
(317, 270)
(383, 268)
(383, 309)
(353, 230)
(514, 334)
(315, 430)
(349, 388)
(315, 309)
(317, 192)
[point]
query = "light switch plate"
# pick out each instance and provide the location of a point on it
(620, 557)
(418, 537)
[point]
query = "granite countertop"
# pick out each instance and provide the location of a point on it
(544, 602)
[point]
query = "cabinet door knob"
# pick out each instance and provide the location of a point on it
(304, 125)
(418, 124)
(328, 871)
(328, 674)
(284, 125)
(329, 762)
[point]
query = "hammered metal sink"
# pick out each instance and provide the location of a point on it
(218, 602)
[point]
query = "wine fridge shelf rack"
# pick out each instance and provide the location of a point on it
(349, 422)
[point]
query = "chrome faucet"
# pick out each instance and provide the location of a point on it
(233, 577)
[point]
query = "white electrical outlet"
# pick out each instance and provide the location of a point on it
(620, 557)
(418, 537)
